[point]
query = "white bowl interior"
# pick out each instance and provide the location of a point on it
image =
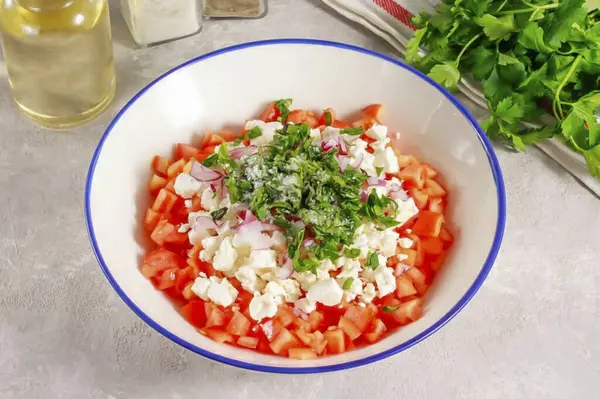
(227, 89)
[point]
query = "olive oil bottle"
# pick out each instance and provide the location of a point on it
(59, 58)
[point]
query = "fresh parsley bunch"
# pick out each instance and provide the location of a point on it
(532, 56)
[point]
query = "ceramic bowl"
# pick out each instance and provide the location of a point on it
(228, 86)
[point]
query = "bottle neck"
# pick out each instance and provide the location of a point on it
(45, 5)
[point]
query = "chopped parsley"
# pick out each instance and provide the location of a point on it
(388, 309)
(299, 187)
(372, 261)
(348, 283)
(218, 214)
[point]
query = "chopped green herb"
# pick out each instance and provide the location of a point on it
(352, 131)
(348, 283)
(253, 133)
(283, 106)
(328, 118)
(388, 309)
(218, 214)
(211, 160)
(381, 210)
(351, 253)
(372, 261)
(378, 170)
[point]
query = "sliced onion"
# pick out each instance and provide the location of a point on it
(270, 227)
(374, 181)
(237, 153)
(204, 174)
(251, 233)
(335, 141)
(204, 223)
(286, 270)
(358, 161)
(344, 161)
(394, 187)
(399, 195)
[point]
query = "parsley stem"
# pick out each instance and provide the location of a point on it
(502, 6)
(469, 43)
(532, 8)
(556, 104)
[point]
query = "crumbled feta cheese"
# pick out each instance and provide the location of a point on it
(184, 228)
(402, 257)
(330, 131)
(245, 243)
(225, 256)
(262, 306)
(278, 240)
(389, 240)
(387, 160)
(406, 243)
(354, 290)
(305, 305)
(249, 280)
(262, 259)
(266, 274)
(221, 291)
(292, 289)
(210, 200)
(210, 245)
(268, 131)
(315, 135)
(406, 210)
(186, 186)
(305, 279)
(358, 152)
(351, 268)
(368, 275)
(379, 146)
(368, 293)
(187, 203)
(377, 132)
(382, 259)
(275, 289)
(385, 279)
(200, 287)
(327, 292)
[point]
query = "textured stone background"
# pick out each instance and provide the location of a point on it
(531, 332)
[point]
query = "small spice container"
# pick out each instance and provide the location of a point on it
(157, 21)
(235, 8)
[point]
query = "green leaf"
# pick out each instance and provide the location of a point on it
(482, 61)
(253, 133)
(352, 131)
(511, 69)
(495, 88)
(351, 253)
(477, 7)
(533, 84)
(218, 214)
(372, 261)
(348, 283)
(532, 38)
(388, 309)
(534, 136)
(497, 28)
(211, 160)
(510, 109)
(558, 28)
(283, 106)
(592, 158)
(328, 118)
(413, 47)
(445, 74)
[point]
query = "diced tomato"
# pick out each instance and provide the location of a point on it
(311, 120)
(349, 328)
(301, 324)
(238, 325)
(160, 165)
(186, 151)
(219, 336)
(284, 341)
(406, 160)
(445, 235)
(430, 172)
(160, 260)
(270, 114)
(340, 124)
(434, 188)
(376, 331)
(271, 328)
(408, 311)
(421, 288)
(361, 317)
(437, 262)
(214, 140)
(420, 197)
(335, 341)
(411, 253)
(404, 287)
(228, 135)
(323, 119)
(432, 245)
(365, 123)
(156, 183)
(413, 174)
(194, 313)
(205, 140)
(285, 315)
(302, 353)
(374, 111)
(184, 276)
(248, 342)
(215, 317)
(415, 275)
(297, 116)
(243, 299)
(187, 292)
(435, 205)
(165, 232)
(164, 201)
(304, 336)
(428, 224)
(151, 219)
(176, 168)
(315, 319)
(170, 186)
(167, 279)
(318, 343)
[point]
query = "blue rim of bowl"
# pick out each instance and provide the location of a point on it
(495, 166)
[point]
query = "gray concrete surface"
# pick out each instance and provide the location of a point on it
(531, 332)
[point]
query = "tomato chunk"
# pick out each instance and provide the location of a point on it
(414, 174)
(302, 353)
(351, 330)
(335, 341)
(376, 331)
(186, 151)
(165, 232)
(284, 341)
(160, 165)
(165, 200)
(359, 316)
(374, 111)
(428, 224)
(404, 287)
(238, 325)
(219, 336)
(156, 183)
(248, 342)
(194, 313)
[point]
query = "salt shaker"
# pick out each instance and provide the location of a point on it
(157, 21)
(235, 8)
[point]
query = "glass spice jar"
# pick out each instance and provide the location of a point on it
(235, 8)
(158, 21)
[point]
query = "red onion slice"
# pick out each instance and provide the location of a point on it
(308, 242)
(363, 196)
(399, 195)
(358, 161)
(204, 224)
(251, 233)
(400, 268)
(269, 227)
(286, 270)
(237, 153)
(204, 174)
(374, 181)
(343, 161)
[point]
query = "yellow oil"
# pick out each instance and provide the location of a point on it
(59, 58)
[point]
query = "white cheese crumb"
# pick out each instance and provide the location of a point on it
(386, 282)
(262, 306)
(327, 292)
(186, 186)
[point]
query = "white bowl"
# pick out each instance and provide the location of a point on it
(228, 86)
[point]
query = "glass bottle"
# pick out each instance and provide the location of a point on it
(159, 21)
(59, 58)
(235, 8)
